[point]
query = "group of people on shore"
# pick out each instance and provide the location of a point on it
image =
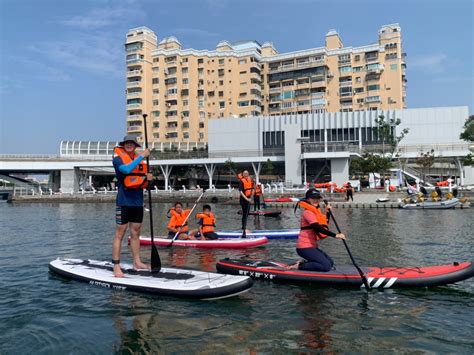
(133, 176)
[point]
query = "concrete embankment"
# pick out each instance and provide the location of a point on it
(365, 199)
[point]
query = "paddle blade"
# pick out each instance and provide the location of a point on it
(155, 260)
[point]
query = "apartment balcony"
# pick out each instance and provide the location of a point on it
(275, 98)
(316, 96)
(345, 84)
(171, 62)
(345, 94)
(295, 66)
(370, 99)
(132, 73)
(133, 106)
(134, 129)
(319, 84)
(131, 95)
(302, 93)
(278, 89)
(274, 109)
(132, 118)
(375, 69)
(257, 109)
(344, 63)
(134, 84)
(346, 105)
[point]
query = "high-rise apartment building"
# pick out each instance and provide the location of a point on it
(182, 89)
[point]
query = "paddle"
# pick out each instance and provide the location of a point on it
(361, 273)
(185, 220)
(155, 257)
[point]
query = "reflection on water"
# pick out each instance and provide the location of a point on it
(53, 315)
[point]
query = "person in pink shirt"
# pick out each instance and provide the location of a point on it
(311, 232)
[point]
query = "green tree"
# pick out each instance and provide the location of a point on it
(468, 133)
(267, 167)
(371, 163)
(468, 136)
(385, 130)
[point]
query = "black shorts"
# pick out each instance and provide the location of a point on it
(128, 214)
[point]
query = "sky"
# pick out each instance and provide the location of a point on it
(62, 62)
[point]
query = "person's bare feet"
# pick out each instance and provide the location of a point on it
(118, 271)
(139, 265)
(294, 266)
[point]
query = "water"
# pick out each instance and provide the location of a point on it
(42, 313)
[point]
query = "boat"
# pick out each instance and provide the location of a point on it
(227, 243)
(433, 205)
(268, 233)
(263, 213)
(281, 199)
(377, 277)
(167, 282)
(382, 200)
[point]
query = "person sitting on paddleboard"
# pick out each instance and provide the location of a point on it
(132, 177)
(313, 229)
(177, 223)
(207, 222)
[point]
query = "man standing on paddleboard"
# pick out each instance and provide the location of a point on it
(132, 176)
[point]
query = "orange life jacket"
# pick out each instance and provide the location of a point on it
(320, 217)
(258, 190)
(208, 222)
(248, 185)
(137, 178)
(177, 220)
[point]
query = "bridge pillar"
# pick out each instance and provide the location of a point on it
(166, 170)
(256, 171)
(70, 180)
(340, 170)
(54, 180)
(210, 168)
(293, 153)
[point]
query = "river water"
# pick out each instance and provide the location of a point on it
(43, 313)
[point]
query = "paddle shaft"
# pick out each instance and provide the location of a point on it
(155, 257)
(186, 219)
(361, 273)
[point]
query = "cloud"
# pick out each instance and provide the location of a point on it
(430, 63)
(99, 53)
(104, 17)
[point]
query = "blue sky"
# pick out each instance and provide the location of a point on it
(62, 61)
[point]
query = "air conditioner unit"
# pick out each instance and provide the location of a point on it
(168, 104)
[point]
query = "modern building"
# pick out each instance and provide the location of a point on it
(182, 89)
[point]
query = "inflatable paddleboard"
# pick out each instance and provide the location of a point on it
(227, 243)
(378, 277)
(268, 233)
(263, 213)
(168, 282)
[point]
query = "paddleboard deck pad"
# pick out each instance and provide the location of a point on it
(268, 233)
(378, 277)
(263, 213)
(218, 243)
(168, 282)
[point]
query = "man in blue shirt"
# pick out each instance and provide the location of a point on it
(132, 176)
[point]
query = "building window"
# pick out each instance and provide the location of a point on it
(156, 102)
(221, 104)
(201, 135)
(200, 61)
(287, 104)
(185, 124)
(221, 61)
(373, 87)
(155, 81)
(220, 72)
(242, 61)
(185, 70)
(346, 69)
(201, 103)
(357, 69)
(185, 60)
(393, 67)
(156, 124)
(243, 72)
(358, 79)
(360, 101)
(201, 124)
(242, 103)
(172, 91)
(185, 102)
(156, 113)
(288, 94)
(156, 135)
(221, 93)
(357, 58)
(185, 81)
(358, 90)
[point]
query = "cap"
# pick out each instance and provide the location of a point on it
(129, 138)
(313, 193)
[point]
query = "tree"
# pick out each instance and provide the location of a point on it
(468, 136)
(468, 133)
(425, 161)
(371, 163)
(385, 130)
(267, 167)
(230, 166)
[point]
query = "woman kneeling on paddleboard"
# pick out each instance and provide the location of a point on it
(313, 227)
